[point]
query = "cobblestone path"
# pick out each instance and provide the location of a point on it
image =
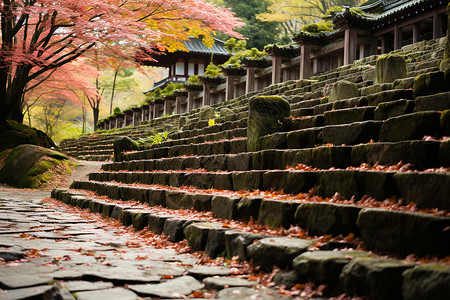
(52, 252)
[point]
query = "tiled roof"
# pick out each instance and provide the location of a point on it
(195, 45)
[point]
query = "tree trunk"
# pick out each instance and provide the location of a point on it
(83, 130)
(96, 113)
(113, 91)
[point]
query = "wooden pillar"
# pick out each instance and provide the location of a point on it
(190, 101)
(229, 91)
(178, 104)
(315, 65)
(340, 61)
(250, 83)
(362, 51)
(398, 37)
(206, 94)
(150, 111)
(276, 69)
(437, 28)
(155, 108)
(166, 108)
(416, 32)
(305, 61)
(383, 45)
(350, 46)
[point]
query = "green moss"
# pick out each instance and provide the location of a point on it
(314, 28)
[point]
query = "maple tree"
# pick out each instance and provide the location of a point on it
(40, 36)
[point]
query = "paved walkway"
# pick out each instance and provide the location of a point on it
(51, 251)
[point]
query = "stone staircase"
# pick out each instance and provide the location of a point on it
(354, 194)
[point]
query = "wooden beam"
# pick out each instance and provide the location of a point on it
(250, 83)
(229, 90)
(276, 69)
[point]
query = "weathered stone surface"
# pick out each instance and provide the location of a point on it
(423, 154)
(206, 113)
(277, 213)
(389, 96)
(215, 245)
(411, 127)
(121, 276)
(122, 144)
(173, 228)
(343, 182)
(197, 234)
(26, 166)
(238, 293)
(219, 283)
(389, 68)
(375, 277)
(248, 207)
(201, 272)
(430, 83)
(327, 218)
(156, 222)
(427, 190)
(305, 138)
(392, 109)
(323, 267)
(351, 134)
(225, 207)
(224, 112)
(404, 233)
(277, 251)
(426, 282)
(11, 254)
(80, 285)
(330, 156)
(249, 180)
(236, 243)
(274, 141)
(292, 182)
(37, 292)
(175, 288)
(349, 115)
(288, 279)
(115, 293)
(343, 89)
(266, 115)
(22, 281)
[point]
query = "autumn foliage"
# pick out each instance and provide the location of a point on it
(40, 36)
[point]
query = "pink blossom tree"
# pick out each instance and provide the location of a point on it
(40, 36)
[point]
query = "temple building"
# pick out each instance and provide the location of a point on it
(372, 29)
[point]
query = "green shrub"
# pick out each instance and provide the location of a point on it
(212, 71)
(323, 26)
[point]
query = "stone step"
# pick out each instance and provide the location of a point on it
(348, 183)
(233, 146)
(422, 154)
(422, 234)
(349, 115)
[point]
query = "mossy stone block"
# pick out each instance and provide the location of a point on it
(437, 102)
(377, 278)
(323, 267)
(225, 207)
(277, 213)
(428, 281)
(251, 180)
(351, 134)
(281, 250)
(430, 83)
(389, 68)
(197, 234)
(307, 122)
(444, 154)
(403, 233)
(122, 144)
(343, 89)
(349, 115)
(343, 182)
(426, 190)
(267, 114)
(327, 218)
(248, 207)
(206, 113)
(305, 138)
(389, 96)
(392, 109)
(411, 127)
(326, 157)
(236, 243)
(289, 181)
(274, 141)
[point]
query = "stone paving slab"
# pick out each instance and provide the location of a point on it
(53, 254)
